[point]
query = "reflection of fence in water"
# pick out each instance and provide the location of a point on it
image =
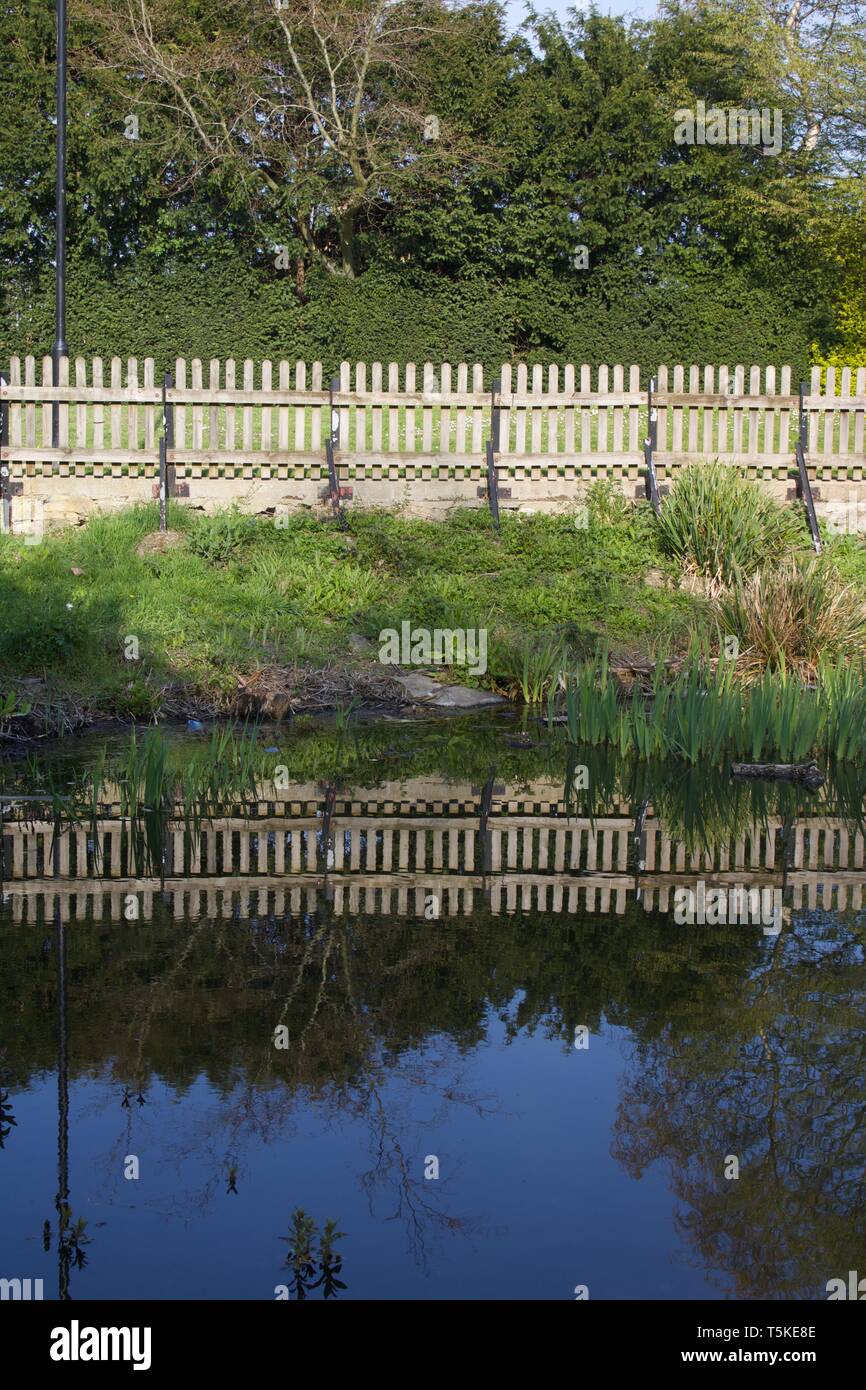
(387, 852)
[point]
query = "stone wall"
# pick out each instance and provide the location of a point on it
(53, 501)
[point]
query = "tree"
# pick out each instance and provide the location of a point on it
(316, 109)
(823, 54)
(813, 52)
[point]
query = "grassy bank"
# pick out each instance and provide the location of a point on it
(98, 624)
(238, 595)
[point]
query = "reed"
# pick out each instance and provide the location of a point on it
(843, 696)
(527, 669)
(157, 779)
(719, 524)
(707, 715)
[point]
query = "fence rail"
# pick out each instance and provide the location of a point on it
(112, 412)
(414, 436)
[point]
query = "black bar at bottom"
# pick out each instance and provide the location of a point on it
(200, 1336)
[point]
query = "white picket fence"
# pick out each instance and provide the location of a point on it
(241, 420)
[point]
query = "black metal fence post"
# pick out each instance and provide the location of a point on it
(638, 840)
(495, 388)
(651, 485)
(5, 467)
(166, 856)
(335, 492)
(334, 416)
(804, 429)
(484, 839)
(168, 409)
(492, 450)
(326, 844)
(804, 486)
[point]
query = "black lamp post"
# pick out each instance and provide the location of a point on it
(59, 348)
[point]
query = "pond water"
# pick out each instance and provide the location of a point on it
(424, 991)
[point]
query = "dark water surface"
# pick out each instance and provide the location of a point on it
(432, 1000)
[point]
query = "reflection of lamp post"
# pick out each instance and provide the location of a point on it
(62, 1199)
(59, 348)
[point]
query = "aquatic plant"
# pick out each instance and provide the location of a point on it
(705, 714)
(155, 779)
(718, 524)
(343, 714)
(842, 689)
(527, 668)
(795, 615)
(302, 1259)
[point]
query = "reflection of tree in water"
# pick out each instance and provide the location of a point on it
(380, 1011)
(396, 1169)
(744, 1044)
(7, 1117)
(779, 1082)
(342, 1056)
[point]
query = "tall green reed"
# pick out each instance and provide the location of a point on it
(705, 714)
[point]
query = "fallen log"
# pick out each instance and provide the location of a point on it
(808, 773)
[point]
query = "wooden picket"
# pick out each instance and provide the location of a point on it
(558, 420)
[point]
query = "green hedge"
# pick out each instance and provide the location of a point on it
(233, 309)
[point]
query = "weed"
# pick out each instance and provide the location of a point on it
(793, 617)
(221, 537)
(719, 524)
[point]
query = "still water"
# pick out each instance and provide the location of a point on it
(422, 994)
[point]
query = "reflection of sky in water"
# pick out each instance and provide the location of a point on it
(558, 1167)
(529, 1202)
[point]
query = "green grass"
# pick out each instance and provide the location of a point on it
(242, 592)
(848, 555)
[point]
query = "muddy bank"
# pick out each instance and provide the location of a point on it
(272, 693)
